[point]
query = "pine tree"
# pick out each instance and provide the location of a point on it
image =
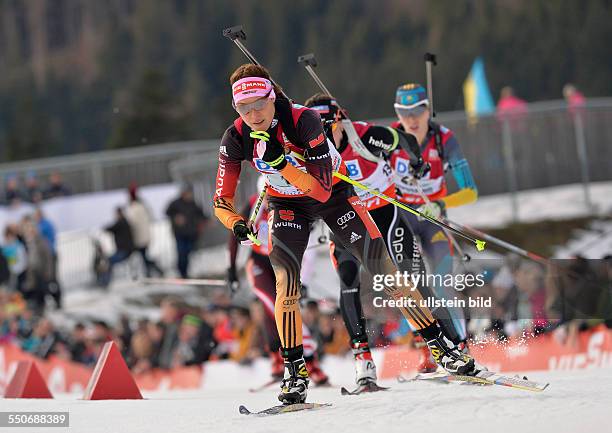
(154, 115)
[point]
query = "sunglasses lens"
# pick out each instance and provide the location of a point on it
(411, 112)
(245, 109)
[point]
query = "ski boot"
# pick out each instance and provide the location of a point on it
(315, 373)
(365, 369)
(446, 353)
(294, 385)
(426, 362)
(464, 348)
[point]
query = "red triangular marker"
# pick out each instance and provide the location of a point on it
(27, 382)
(111, 379)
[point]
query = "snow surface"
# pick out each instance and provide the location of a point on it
(592, 243)
(575, 401)
(555, 203)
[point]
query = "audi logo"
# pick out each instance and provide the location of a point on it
(346, 218)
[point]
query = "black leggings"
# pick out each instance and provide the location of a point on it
(405, 252)
(346, 216)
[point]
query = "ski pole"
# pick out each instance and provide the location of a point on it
(236, 34)
(464, 256)
(510, 247)
(480, 245)
(309, 62)
(524, 253)
(254, 214)
(430, 62)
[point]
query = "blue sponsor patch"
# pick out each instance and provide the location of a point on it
(263, 167)
(353, 168)
(402, 166)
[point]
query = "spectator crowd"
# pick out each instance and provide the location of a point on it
(529, 301)
(32, 191)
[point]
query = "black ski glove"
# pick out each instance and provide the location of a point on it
(419, 168)
(242, 232)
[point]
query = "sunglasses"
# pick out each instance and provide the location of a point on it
(402, 111)
(258, 105)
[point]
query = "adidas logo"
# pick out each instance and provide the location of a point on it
(355, 237)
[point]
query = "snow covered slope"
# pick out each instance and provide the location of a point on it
(574, 402)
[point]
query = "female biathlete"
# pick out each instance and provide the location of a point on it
(369, 166)
(274, 136)
(263, 283)
(441, 151)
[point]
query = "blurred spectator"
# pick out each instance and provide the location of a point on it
(47, 231)
(194, 342)
(101, 331)
(334, 334)
(511, 109)
(124, 243)
(170, 319)
(396, 330)
(310, 317)
(5, 272)
(45, 228)
(259, 346)
(139, 218)
(141, 349)
(124, 331)
(77, 342)
(14, 316)
(575, 99)
(100, 263)
(244, 334)
(156, 334)
(187, 221)
(222, 331)
(580, 298)
(480, 318)
(39, 269)
(12, 193)
(92, 350)
(33, 193)
(56, 187)
(532, 298)
(43, 339)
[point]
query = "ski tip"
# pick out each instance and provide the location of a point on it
(363, 390)
(542, 387)
(243, 410)
(480, 245)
